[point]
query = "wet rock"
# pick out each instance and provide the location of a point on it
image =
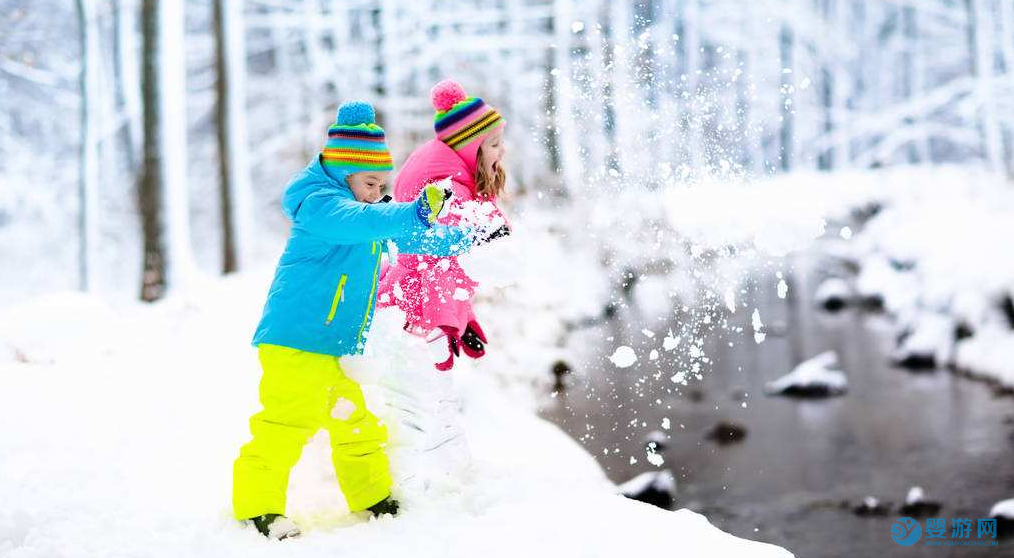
(872, 302)
(695, 395)
(657, 488)
(901, 265)
(725, 433)
(1003, 513)
(926, 342)
(560, 370)
(817, 377)
(1007, 306)
(656, 440)
(866, 212)
(833, 294)
(916, 504)
(963, 331)
(872, 507)
(1001, 390)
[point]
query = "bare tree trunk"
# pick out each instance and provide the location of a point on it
(153, 275)
(125, 77)
(163, 190)
(568, 158)
(234, 186)
(980, 50)
(88, 184)
(692, 49)
(625, 93)
(1007, 48)
(916, 75)
(785, 40)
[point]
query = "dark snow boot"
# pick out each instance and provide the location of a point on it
(453, 348)
(387, 505)
(473, 341)
(275, 526)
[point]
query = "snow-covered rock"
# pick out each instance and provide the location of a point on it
(833, 294)
(816, 377)
(657, 488)
(988, 354)
(916, 504)
(880, 285)
(871, 506)
(1003, 512)
(657, 439)
(927, 341)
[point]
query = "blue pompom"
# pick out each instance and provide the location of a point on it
(353, 113)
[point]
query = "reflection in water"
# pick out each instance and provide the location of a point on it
(802, 463)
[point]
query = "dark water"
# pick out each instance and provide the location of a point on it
(786, 481)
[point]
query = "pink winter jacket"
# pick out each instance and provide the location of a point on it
(426, 288)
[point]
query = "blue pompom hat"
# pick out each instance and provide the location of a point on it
(355, 143)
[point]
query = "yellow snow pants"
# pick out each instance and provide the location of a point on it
(302, 392)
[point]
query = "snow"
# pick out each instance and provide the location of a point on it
(659, 480)
(654, 458)
(929, 336)
(670, 342)
(989, 353)
(915, 495)
(817, 373)
(129, 417)
(758, 327)
(623, 357)
(783, 288)
(1003, 508)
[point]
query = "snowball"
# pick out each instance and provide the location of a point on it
(623, 357)
(670, 342)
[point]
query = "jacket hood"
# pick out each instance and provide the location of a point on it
(311, 179)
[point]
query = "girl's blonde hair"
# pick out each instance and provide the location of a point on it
(489, 184)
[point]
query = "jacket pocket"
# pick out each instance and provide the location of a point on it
(339, 296)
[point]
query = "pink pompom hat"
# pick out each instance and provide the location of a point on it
(462, 122)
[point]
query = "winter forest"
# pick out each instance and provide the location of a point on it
(757, 297)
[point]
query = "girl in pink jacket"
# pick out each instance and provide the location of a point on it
(435, 292)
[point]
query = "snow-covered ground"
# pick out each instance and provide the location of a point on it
(121, 422)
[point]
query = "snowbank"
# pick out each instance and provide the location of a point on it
(119, 436)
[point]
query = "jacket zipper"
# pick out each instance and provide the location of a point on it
(373, 292)
(339, 296)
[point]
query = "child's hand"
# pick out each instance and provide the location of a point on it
(483, 235)
(433, 202)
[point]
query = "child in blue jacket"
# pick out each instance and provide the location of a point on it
(318, 309)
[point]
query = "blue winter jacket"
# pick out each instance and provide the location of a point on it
(323, 295)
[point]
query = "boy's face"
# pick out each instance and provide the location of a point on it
(367, 186)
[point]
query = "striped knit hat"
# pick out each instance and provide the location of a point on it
(355, 143)
(462, 122)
